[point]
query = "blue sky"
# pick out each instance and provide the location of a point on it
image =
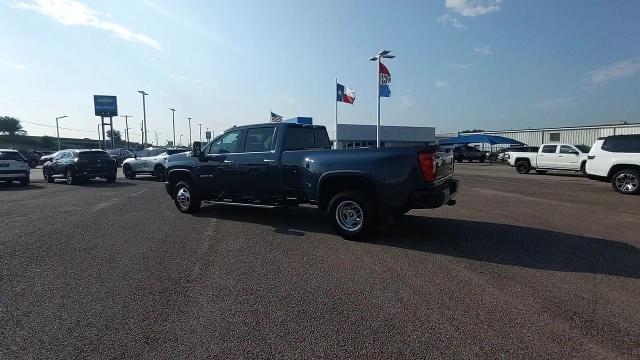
(460, 64)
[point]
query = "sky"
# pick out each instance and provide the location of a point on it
(460, 64)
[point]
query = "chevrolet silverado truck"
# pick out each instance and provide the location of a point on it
(550, 157)
(278, 165)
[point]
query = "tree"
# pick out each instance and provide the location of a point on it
(11, 126)
(116, 135)
(471, 131)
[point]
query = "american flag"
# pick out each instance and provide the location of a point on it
(275, 118)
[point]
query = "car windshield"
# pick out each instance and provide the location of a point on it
(583, 148)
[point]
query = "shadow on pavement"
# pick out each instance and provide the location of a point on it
(103, 183)
(483, 241)
(17, 187)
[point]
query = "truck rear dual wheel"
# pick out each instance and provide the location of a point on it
(352, 216)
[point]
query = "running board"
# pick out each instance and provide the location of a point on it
(261, 206)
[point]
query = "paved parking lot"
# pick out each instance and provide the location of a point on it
(544, 266)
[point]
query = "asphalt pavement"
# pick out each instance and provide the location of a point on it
(524, 266)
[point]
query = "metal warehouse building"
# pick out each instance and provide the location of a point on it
(351, 136)
(578, 135)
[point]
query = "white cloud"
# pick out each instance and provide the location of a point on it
(555, 103)
(452, 20)
(617, 70)
(15, 66)
(473, 7)
(74, 13)
(191, 79)
(442, 84)
(484, 50)
(462, 66)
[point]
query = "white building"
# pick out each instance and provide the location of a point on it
(576, 135)
(351, 136)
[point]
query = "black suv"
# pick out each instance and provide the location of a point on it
(77, 165)
(469, 153)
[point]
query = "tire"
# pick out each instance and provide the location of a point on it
(70, 177)
(626, 182)
(46, 173)
(128, 172)
(583, 168)
(25, 182)
(352, 216)
(186, 198)
(523, 167)
(397, 214)
(541, 172)
(459, 160)
(483, 159)
(158, 172)
(111, 179)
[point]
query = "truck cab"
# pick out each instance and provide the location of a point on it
(551, 157)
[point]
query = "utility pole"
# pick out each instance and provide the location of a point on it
(382, 54)
(189, 131)
(173, 117)
(126, 129)
(157, 133)
(144, 117)
(58, 130)
(200, 125)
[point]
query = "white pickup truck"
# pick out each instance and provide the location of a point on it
(551, 157)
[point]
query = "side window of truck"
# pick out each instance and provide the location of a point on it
(549, 149)
(259, 139)
(228, 143)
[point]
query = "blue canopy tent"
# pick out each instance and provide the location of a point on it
(480, 139)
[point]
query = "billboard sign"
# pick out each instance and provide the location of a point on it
(207, 134)
(105, 105)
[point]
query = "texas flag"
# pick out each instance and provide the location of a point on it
(385, 80)
(344, 94)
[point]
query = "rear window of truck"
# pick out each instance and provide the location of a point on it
(299, 138)
(11, 155)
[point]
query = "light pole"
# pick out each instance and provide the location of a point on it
(144, 118)
(382, 54)
(180, 139)
(99, 144)
(189, 131)
(173, 117)
(58, 130)
(200, 125)
(126, 129)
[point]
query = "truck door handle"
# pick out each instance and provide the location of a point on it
(229, 162)
(268, 160)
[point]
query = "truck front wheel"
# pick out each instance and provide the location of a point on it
(186, 198)
(351, 214)
(523, 167)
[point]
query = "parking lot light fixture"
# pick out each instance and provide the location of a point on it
(144, 117)
(58, 129)
(173, 119)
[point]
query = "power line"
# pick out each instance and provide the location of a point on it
(51, 126)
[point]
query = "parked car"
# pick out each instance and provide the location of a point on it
(32, 159)
(120, 155)
(76, 166)
(551, 157)
(14, 167)
(273, 165)
(469, 153)
(46, 157)
(149, 161)
(616, 159)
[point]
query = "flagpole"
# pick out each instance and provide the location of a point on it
(335, 99)
(378, 109)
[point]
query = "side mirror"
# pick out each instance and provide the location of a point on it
(196, 149)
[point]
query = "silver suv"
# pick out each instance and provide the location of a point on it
(14, 167)
(150, 161)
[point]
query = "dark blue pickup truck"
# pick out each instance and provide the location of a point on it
(275, 165)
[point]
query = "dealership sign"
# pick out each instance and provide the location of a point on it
(105, 105)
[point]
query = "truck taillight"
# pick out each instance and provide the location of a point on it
(428, 166)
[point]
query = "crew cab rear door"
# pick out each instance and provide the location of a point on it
(257, 174)
(547, 157)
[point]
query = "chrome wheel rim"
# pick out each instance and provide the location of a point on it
(183, 197)
(627, 182)
(69, 177)
(349, 215)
